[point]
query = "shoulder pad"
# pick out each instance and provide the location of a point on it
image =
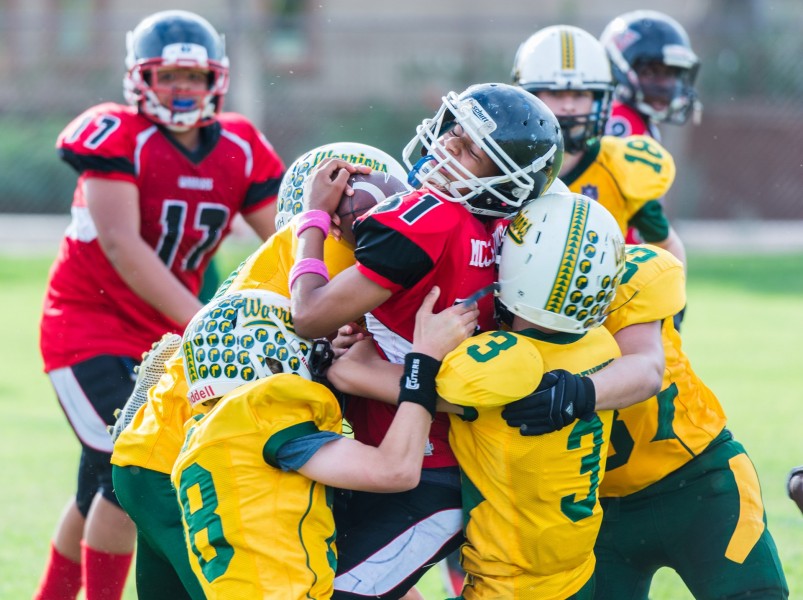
(653, 288)
(643, 169)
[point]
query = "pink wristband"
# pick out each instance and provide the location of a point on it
(313, 218)
(308, 265)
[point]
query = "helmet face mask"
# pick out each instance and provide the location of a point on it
(561, 261)
(238, 338)
(646, 42)
(178, 40)
(515, 130)
(565, 58)
(290, 201)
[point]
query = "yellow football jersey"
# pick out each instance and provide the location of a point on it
(253, 530)
(155, 435)
(623, 174)
(531, 502)
(651, 439)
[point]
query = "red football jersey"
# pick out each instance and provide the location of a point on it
(408, 245)
(626, 121)
(187, 201)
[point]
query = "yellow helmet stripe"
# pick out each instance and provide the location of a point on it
(571, 254)
(567, 50)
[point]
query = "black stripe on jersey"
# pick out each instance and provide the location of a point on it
(262, 189)
(93, 162)
(390, 254)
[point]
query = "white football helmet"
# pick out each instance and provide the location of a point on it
(561, 261)
(175, 38)
(291, 191)
(238, 338)
(563, 57)
(515, 129)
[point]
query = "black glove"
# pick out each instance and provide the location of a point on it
(559, 399)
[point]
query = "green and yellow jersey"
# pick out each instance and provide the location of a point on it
(653, 438)
(253, 529)
(627, 176)
(155, 435)
(531, 506)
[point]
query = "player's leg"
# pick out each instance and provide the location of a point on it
(61, 579)
(628, 549)
(90, 392)
(163, 569)
(386, 542)
(716, 524)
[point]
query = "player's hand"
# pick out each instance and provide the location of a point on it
(560, 398)
(438, 334)
(347, 336)
(328, 183)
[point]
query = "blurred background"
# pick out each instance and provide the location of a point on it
(310, 72)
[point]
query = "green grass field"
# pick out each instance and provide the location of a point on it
(742, 332)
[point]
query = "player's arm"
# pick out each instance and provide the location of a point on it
(563, 397)
(361, 371)
(319, 306)
(114, 207)
(262, 221)
(674, 245)
(654, 227)
(636, 375)
(395, 465)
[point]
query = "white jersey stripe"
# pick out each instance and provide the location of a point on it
(389, 566)
(86, 422)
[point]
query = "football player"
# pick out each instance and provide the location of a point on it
(146, 447)
(253, 477)
(654, 68)
(531, 509)
(159, 182)
(679, 490)
(567, 68)
(486, 153)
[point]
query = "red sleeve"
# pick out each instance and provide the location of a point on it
(101, 142)
(267, 169)
(398, 244)
(625, 121)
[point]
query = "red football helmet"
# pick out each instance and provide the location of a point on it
(176, 38)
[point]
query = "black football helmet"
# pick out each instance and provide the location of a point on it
(513, 127)
(176, 38)
(638, 38)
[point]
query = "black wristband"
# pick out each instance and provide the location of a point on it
(418, 381)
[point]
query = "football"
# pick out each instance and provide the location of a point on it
(369, 190)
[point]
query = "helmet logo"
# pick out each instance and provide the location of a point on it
(518, 229)
(626, 39)
(185, 53)
(476, 119)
